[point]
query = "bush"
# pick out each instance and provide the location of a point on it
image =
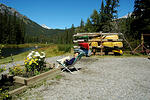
(16, 70)
(1, 47)
(2, 68)
(3, 94)
(65, 48)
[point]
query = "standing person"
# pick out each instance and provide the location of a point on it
(85, 48)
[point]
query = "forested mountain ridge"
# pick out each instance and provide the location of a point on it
(32, 32)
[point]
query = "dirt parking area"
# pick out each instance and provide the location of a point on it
(121, 78)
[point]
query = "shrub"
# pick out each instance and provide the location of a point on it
(65, 48)
(3, 68)
(1, 47)
(3, 94)
(16, 70)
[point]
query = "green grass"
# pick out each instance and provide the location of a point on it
(58, 77)
(25, 45)
(50, 50)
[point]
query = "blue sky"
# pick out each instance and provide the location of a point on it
(62, 13)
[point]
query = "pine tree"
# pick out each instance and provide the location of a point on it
(1, 18)
(82, 25)
(95, 18)
(107, 10)
(102, 14)
(115, 4)
(88, 26)
(81, 28)
(107, 14)
(141, 15)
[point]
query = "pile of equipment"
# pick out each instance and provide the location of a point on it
(99, 43)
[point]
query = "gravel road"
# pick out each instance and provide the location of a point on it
(115, 78)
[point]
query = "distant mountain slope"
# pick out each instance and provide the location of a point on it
(32, 28)
(44, 26)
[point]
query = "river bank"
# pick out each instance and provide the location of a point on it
(51, 50)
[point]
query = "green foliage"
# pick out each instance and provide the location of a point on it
(36, 72)
(3, 94)
(65, 48)
(1, 47)
(2, 68)
(12, 29)
(16, 70)
(95, 19)
(37, 34)
(81, 28)
(101, 21)
(141, 15)
(88, 26)
(58, 77)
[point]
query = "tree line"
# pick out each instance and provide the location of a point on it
(12, 29)
(105, 20)
(101, 20)
(65, 37)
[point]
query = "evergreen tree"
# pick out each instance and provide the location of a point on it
(88, 26)
(95, 21)
(102, 14)
(115, 4)
(107, 14)
(141, 15)
(11, 29)
(107, 10)
(81, 28)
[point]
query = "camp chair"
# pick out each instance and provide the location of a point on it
(72, 65)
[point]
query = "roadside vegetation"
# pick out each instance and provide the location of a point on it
(50, 50)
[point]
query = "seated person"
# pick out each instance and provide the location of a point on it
(67, 60)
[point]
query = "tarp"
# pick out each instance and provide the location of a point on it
(84, 45)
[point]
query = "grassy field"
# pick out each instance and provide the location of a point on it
(50, 50)
(24, 45)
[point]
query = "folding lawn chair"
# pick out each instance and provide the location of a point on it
(66, 67)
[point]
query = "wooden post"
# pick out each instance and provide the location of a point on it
(101, 46)
(142, 42)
